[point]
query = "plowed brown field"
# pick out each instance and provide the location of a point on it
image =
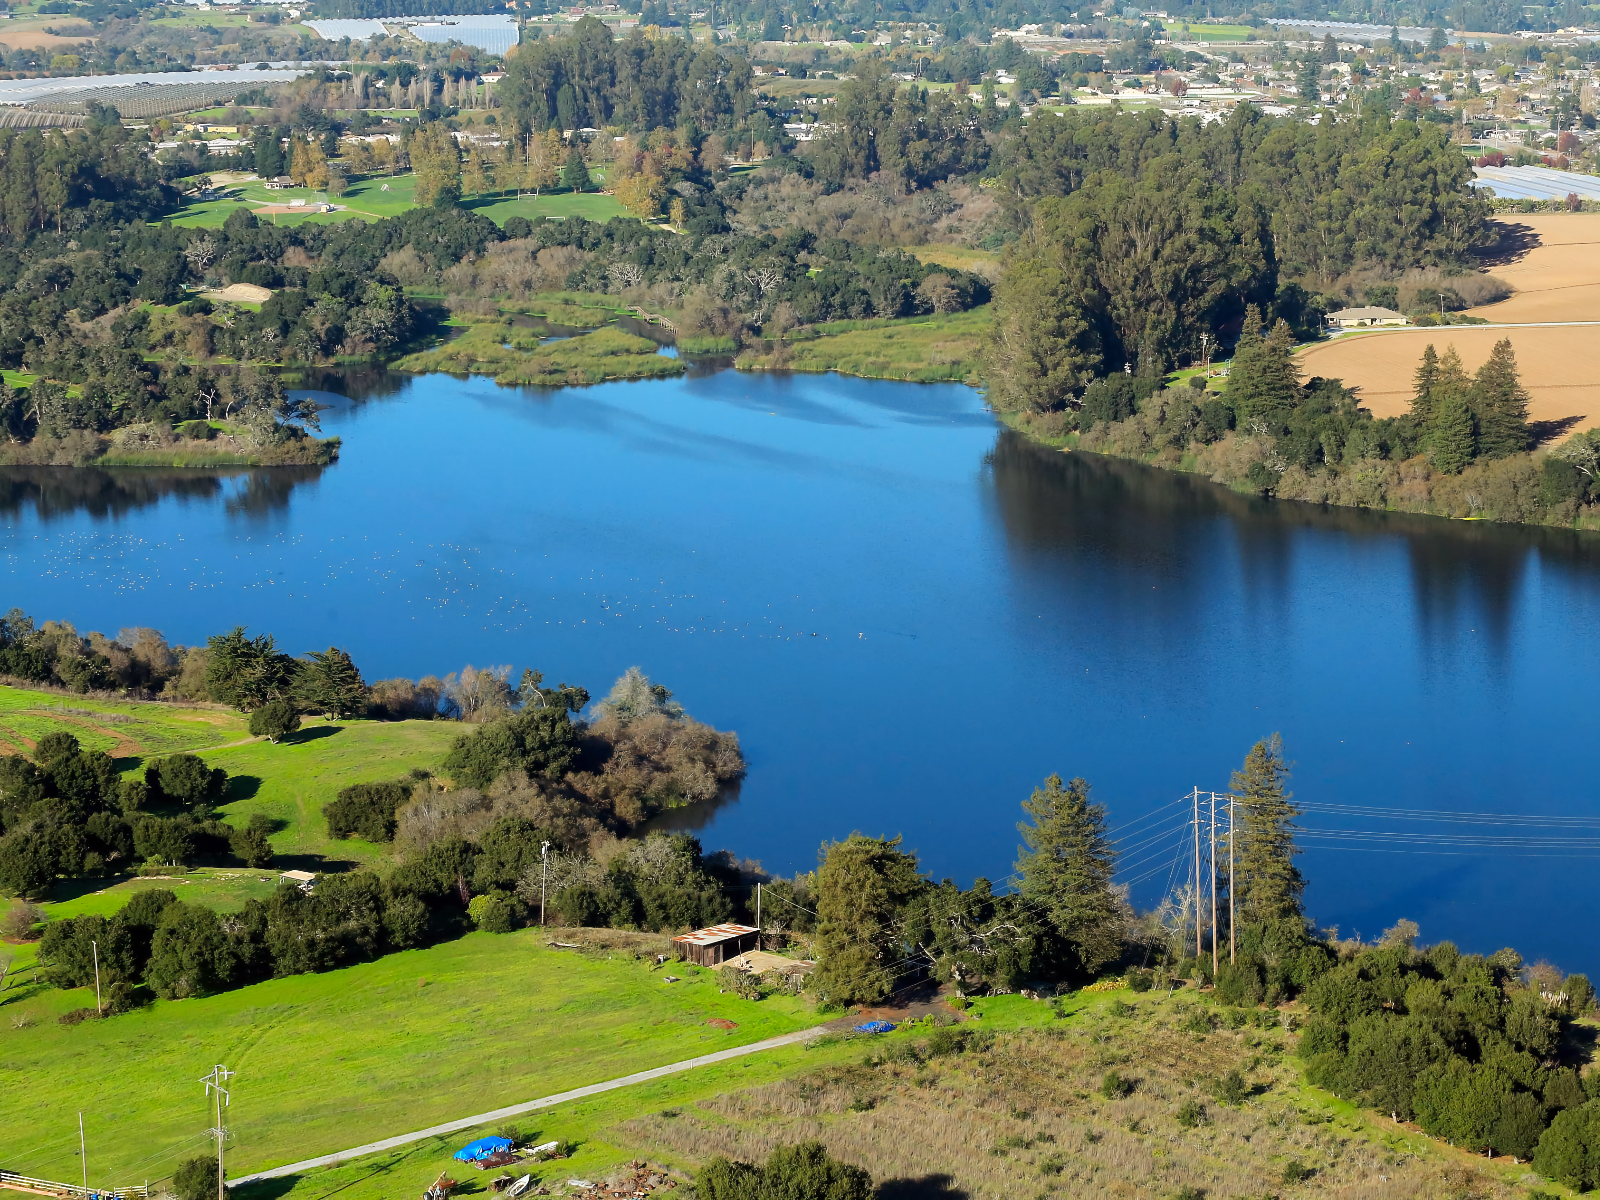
(1557, 280)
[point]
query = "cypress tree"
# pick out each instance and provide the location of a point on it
(1427, 382)
(1267, 884)
(1067, 869)
(1264, 383)
(575, 174)
(1452, 438)
(1501, 404)
(862, 886)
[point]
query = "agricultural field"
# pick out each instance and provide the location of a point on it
(28, 33)
(1558, 279)
(921, 349)
(338, 1059)
(1212, 33)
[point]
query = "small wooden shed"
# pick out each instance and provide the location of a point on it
(712, 947)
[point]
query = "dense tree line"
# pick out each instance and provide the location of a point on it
(1147, 233)
(590, 79)
(64, 182)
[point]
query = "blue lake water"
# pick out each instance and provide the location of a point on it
(911, 617)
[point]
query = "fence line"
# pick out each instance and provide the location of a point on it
(49, 1187)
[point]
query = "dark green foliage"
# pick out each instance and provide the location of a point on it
(1191, 1113)
(328, 682)
(246, 672)
(1569, 1150)
(367, 810)
(185, 779)
(195, 1179)
(979, 940)
(251, 843)
(862, 887)
(575, 173)
(1067, 870)
(540, 741)
(190, 954)
(801, 1172)
(274, 720)
(1114, 1087)
(1231, 1089)
(1267, 885)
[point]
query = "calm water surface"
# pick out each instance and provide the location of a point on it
(909, 615)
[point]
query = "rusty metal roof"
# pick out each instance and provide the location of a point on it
(717, 933)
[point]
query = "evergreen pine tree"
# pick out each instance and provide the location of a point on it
(1501, 404)
(575, 174)
(1263, 382)
(1451, 436)
(862, 886)
(1267, 884)
(1427, 382)
(1067, 869)
(329, 683)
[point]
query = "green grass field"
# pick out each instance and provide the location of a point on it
(333, 1060)
(918, 349)
(128, 730)
(291, 782)
(366, 198)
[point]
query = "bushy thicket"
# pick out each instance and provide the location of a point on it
(67, 812)
(801, 1172)
(1456, 1042)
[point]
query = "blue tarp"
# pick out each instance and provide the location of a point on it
(875, 1027)
(482, 1148)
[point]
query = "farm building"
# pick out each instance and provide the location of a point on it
(1360, 318)
(712, 947)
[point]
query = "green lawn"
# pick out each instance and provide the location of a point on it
(333, 1060)
(291, 782)
(366, 198)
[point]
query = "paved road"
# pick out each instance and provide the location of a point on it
(501, 1114)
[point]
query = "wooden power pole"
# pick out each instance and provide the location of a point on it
(1197, 922)
(1232, 943)
(1213, 885)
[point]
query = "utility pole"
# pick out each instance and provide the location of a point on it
(214, 1083)
(99, 1009)
(758, 913)
(1197, 870)
(1213, 885)
(83, 1156)
(544, 876)
(1232, 947)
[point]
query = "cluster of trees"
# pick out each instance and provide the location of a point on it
(591, 80)
(1457, 1042)
(68, 812)
(879, 918)
(100, 175)
(1148, 233)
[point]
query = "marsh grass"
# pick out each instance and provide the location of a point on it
(921, 350)
(1023, 1110)
(513, 357)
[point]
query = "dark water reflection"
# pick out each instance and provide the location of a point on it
(909, 615)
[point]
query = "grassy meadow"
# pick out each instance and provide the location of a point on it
(366, 198)
(515, 356)
(333, 1060)
(127, 730)
(917, 349)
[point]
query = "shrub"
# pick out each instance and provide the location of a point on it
(20, 920)
(1141, 980)
(274, 721)
(1114, 1087)
(494, 912)
(367, 810)
(1198, 1021)
(1295, 1171)
(195, 1179)
(186, 779)
(949, 1040)
(1232, 1089)
(1191, 1113)
(802, 1172)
